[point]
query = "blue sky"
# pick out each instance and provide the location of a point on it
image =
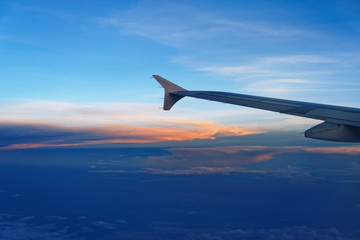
(88, 64)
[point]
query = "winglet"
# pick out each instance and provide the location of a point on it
(170, 92)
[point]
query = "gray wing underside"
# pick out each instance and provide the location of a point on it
(339, 123)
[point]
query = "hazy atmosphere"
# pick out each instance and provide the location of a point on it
(86, 151)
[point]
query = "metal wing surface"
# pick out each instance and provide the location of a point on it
(340, 123)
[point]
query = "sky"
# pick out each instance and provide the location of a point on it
(87, 66)
(86, 151)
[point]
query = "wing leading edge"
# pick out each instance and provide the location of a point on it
(340, 124)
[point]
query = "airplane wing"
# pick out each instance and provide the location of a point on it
(340, 124)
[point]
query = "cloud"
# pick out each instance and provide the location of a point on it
(222, 159)
(33, 124)
(197, 161)
(345, 150)
(273, 66)
(161, 230)
(287, 75)
(27, 218)
(175, 24)
(189, 171)
(296, 232)
(63, 113)
(15, 39)
(58, 218)
(270, 160)
(103, 224)
(279, 86)
(98, 114)
(350, 181)
(292, 59)
(34, 136)
(52, 227)
(12, 227)
(195, 30)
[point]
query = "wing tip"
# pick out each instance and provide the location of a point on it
(169, 99)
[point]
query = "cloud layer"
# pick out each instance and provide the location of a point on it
(32, 124)
(34, 136)
(235, 159)
(28, 227)
(177, 24)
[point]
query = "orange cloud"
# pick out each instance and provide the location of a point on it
(225, 158)
(349, 150)
(265, 157)
(75, 136)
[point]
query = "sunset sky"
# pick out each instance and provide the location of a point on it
(88, 64)
(78, 105)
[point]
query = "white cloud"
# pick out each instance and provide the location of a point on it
(292, 59)
(269, 66)
(176, 24)
(38, 111)
(288, 76)
(200, 31)
(134, 114)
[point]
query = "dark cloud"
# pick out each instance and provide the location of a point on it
(286, 197)
(281, 161)
(14, 227)
(104, 224)
(164, 230)
(30, 227)
(15, 134)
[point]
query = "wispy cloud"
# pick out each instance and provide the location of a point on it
(285, 75)
(25, 227)
(95, 114)
(285, 86)
(298, 59)
(69, 114)
(268, 66)
(175, 24)
(15, 39)
(56, 227)
(197, 31)
(347, 150)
